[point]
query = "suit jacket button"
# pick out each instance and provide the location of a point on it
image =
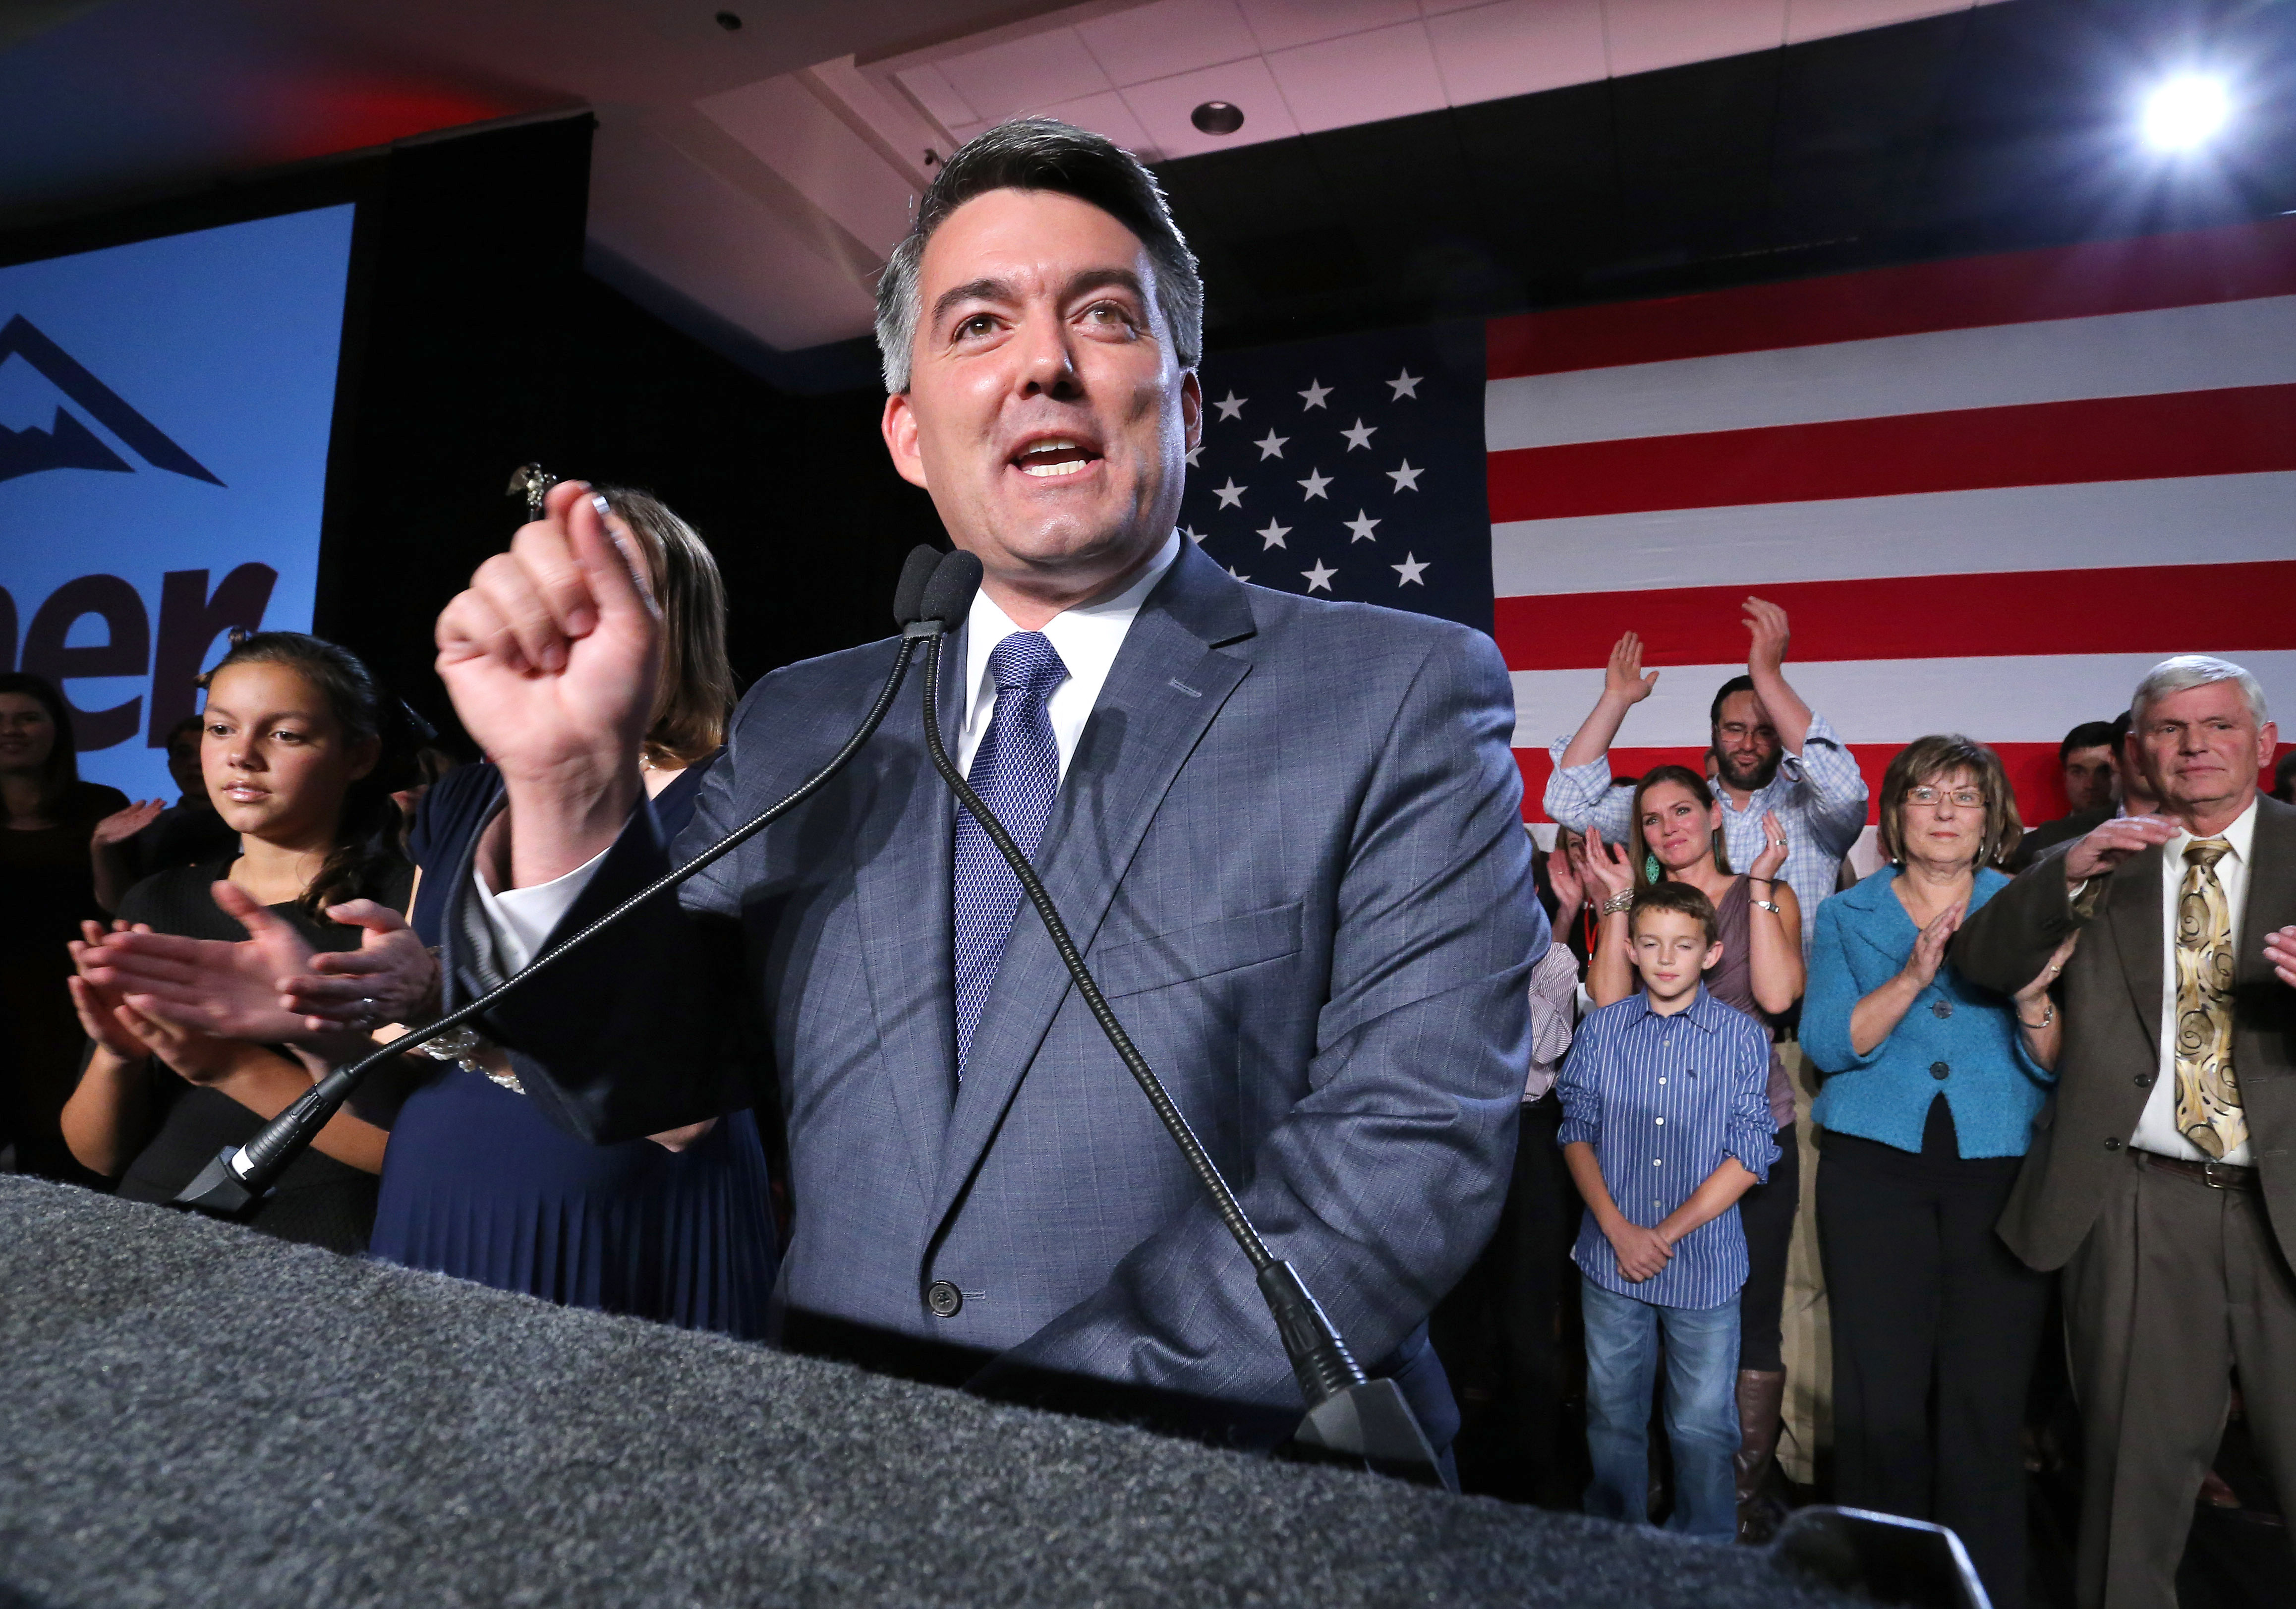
(2112, 1144)
(1938, 1070)
(1941, 1009)
(944, 1299)
(2144, 1081)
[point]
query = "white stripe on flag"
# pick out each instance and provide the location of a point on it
(2103, 524)
(2233, 343)
(2002, 699)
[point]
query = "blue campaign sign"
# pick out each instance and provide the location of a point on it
(165, 409)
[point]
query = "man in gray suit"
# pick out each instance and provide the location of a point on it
(2160, 1177)
(1286, 833)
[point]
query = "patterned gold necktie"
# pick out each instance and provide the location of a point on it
(2208, 1095)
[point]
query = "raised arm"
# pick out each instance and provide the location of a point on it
(1624, 685)
(1774, 936)
(1833, 790)
(551, 658)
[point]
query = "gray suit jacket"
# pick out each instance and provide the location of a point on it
(2110, 995)
(1290, 843)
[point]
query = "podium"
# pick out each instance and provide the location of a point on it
(191, 1414)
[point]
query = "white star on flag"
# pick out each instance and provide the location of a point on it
(1272, 535)
(1192, 535)
(1359, 437)
(1195, 456)
(1319, 578)
(1315, 483)
(1405, 384)
(1271, 445)
(1361, 525)
(1406, 479)
(1410, 570)
(1239, 575)
(1231, 406)
(1315, 394)
(1231, 495)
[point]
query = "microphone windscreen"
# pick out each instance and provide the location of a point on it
(917, 574)
(955, 581)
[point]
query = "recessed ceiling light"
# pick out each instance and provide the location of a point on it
(1217, 117)
(2187, 113)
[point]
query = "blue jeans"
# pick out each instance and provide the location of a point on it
(1702, 1411)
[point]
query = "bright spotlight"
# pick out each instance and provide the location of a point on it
(2187, 113)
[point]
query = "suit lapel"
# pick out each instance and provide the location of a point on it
(902, 899)
(2134, 914)
(1168, 682)
(2271, 902)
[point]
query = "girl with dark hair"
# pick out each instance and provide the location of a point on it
(49, 887)
(1677, 837)
(299, 753)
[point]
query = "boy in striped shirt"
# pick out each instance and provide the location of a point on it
(1666, 1122)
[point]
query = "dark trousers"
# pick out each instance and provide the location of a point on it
(1508, 1335)
(1766, 1214)
(2176, 1284)
(1935, 1325)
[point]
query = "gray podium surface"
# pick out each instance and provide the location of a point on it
(191, 1415)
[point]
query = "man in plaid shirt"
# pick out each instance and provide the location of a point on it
(1770, 756)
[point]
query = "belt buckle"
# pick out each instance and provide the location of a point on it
(2208, 1177)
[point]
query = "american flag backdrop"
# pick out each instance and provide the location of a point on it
(1990, 492)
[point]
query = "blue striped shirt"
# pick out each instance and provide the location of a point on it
(1663, 1100)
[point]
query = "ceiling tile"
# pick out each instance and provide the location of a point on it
(1025, 74)
(937, 95)
(1518, 47)
(1646, 35)
(1823, 19)
(786, 127)
(1106, 113)
(1389, 72)
(1169, 37)
(1281, 24)
(1164, 105)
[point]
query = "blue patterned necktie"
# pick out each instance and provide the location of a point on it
(1016, 771)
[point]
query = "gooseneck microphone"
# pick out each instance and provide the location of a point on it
(239, 1176)
(1348, 1414)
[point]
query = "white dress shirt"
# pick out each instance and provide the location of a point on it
(1088, 638)
(2156, 1128)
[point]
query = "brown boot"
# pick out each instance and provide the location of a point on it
(1761, 1399)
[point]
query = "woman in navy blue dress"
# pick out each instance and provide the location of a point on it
(476, 1183)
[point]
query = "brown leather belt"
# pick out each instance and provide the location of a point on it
(2216, 1175)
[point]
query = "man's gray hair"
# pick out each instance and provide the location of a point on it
(2189, 671)
(1043, 153)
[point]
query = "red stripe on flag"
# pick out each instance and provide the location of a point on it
(2074, 281)
(2031, 767)
(2251, 607)
(2238, 430)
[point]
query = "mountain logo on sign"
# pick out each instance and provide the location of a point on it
(68, 443)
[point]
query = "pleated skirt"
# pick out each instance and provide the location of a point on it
(475, 1184)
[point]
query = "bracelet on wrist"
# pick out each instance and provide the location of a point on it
(2049, 1015)
(1616, 903)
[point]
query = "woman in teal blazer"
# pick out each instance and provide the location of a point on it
(1930, 1089)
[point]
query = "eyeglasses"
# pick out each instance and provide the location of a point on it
(1963, 798)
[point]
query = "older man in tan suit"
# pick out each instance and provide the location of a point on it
(2162, 1178)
